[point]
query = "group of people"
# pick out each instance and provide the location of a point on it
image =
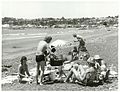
(77, 72)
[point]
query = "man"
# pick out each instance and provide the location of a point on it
(81, 75)
(81, 41)
(101, 66)
(41, 54)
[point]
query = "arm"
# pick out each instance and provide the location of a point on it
(22, 75)
(46, 50)
(83, 77)
(27, 72)
(97, 65)
(77, 40)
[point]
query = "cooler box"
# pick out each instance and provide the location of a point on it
(58, 62)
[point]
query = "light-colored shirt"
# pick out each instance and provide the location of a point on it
(42, 47)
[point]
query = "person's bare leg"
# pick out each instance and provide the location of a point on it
(37, 72)
(60, 71)
(81, 69)
(42, 65)
(69, 76)
(41, 75)
(77, 74)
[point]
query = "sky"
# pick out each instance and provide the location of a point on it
(57, 9)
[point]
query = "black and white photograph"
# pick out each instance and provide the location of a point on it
(59, 45)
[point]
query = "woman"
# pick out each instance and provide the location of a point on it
(22, 69)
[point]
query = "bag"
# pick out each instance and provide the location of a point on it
(55, 61)
(58, 62)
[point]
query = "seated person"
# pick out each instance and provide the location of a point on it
(85, 56)
(75, 53)
(22, 69)
(87, 76)
(101, 66)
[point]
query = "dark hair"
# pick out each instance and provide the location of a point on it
(53, 50)
(74, 35)
(75, 49)
(70, 53)
(23, 58)
(48, 39)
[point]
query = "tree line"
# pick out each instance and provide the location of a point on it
(110, 20)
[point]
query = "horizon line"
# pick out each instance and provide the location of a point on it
(62, 16)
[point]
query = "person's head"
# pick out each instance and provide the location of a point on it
(74, 35)
(23, 60)
(53, 49)
(48, 39)
(91, 61)
(69, 53)
(75, 48)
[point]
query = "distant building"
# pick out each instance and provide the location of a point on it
(29, 25)
(5, 25)
(115, 25)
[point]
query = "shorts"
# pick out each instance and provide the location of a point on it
(40, 58)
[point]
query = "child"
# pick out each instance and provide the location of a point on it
(23, 70)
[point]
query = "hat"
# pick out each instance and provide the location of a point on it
(91, 60)
(97, 57)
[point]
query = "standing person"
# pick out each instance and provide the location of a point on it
(24, 75)
(41, 54)
(81, 42)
